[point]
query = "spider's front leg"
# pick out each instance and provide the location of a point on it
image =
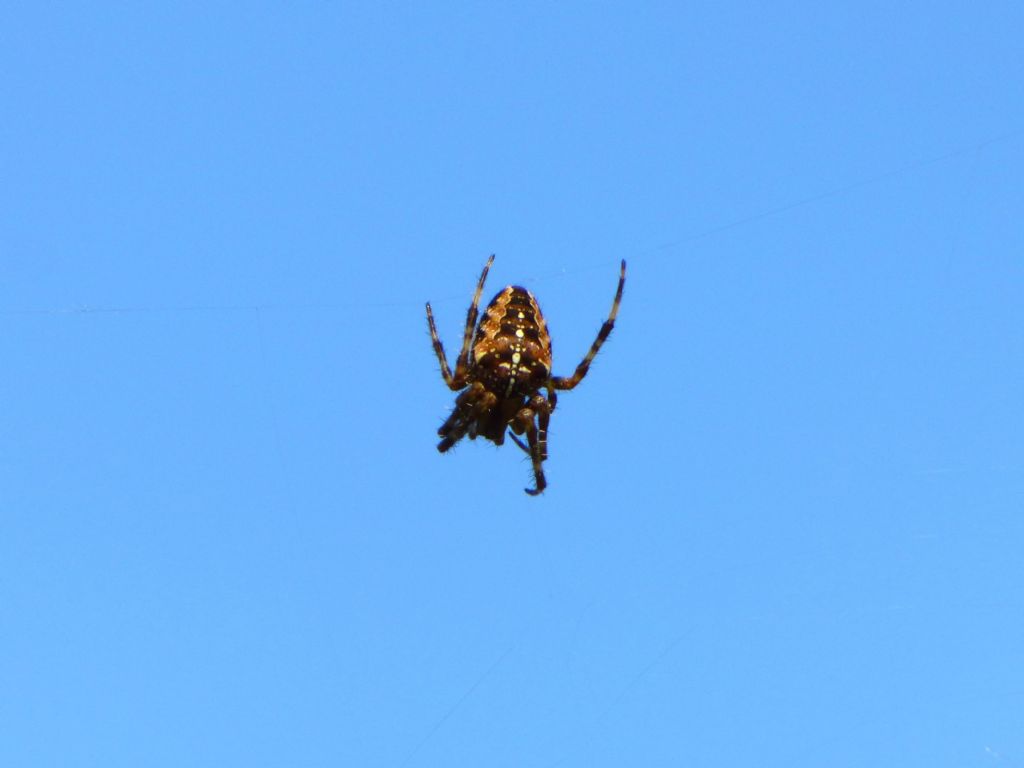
(536, 437)
(469, 406)
(569, 382)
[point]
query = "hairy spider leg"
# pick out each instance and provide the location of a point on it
(543, 420)
(469, 405)
(458, 381)
(560, 382)
(439, 351)
(462, 364)
(524, 422)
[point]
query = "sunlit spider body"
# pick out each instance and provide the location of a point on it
(502, 369)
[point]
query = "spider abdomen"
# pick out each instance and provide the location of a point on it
(512, 349)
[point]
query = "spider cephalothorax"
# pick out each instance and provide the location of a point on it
(502, 368)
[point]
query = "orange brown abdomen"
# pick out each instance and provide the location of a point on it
(512, 350)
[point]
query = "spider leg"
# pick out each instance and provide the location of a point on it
(560, 382)
(469, 406)
(462, 364)
(543, 408)
(519, 442)
(439, 351)
(458, 381)
(524, 422)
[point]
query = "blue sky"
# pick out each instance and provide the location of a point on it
(784, 520)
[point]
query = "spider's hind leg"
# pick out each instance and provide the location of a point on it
(568, 382)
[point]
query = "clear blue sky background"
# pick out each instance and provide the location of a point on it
(784, 525)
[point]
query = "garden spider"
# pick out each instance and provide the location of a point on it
(502, 370)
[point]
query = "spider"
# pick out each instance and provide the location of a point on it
(502, 369)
